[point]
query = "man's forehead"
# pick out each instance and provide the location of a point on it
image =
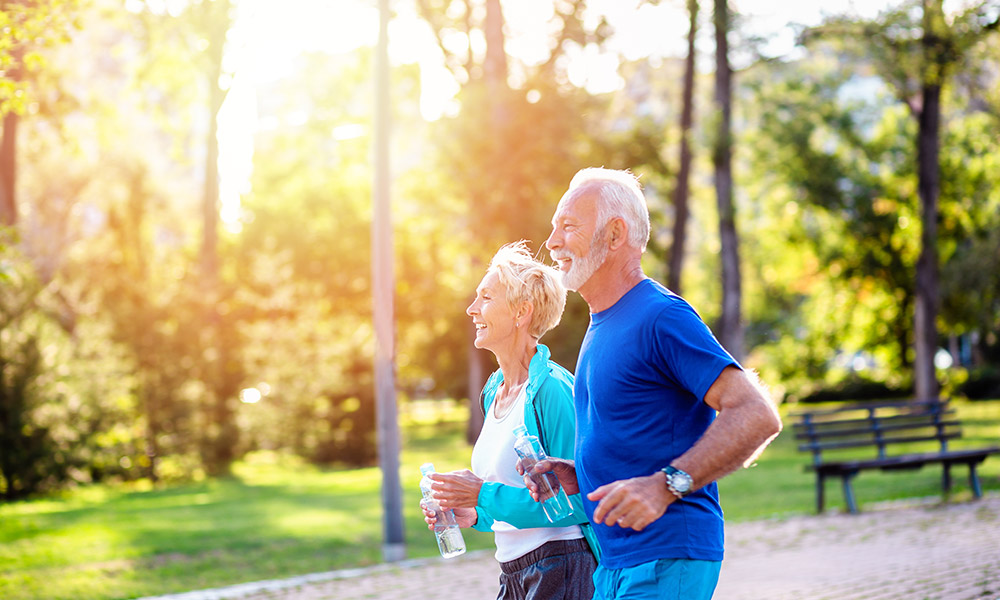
(576, 202)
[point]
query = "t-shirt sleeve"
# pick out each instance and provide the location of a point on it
(688, 352)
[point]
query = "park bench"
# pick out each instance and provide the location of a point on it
(879, 426)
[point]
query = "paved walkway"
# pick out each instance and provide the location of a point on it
(925, 552)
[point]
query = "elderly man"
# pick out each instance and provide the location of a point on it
(663, 411)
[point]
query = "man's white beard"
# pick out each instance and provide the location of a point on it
(581, 269)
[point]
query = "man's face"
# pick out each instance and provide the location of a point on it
(575, 243)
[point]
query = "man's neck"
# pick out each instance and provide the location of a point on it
(609, 283)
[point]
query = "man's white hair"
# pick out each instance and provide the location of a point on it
(620, 196)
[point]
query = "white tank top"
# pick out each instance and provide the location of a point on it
(493, 459)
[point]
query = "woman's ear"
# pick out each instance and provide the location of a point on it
(524, 312)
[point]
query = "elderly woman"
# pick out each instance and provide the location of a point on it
(519, 300)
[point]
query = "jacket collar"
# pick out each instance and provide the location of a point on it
(538, 370)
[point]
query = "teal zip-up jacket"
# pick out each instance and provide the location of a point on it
(548, 414)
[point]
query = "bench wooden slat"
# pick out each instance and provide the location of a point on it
(870, 431)
(901, 418)
(906, 460)
(867, 421)
(854, 406)
(884, 441)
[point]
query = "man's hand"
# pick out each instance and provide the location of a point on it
(632, 503)
(466, 517)
(564, 470)
(458, 489)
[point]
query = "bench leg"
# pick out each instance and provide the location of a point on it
(819, 493)
(852, 505)
(946, 478)
(977, 490)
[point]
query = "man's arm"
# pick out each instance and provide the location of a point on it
(745, 425)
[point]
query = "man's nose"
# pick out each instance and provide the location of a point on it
(553, 241)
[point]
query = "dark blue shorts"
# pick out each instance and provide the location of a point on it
(556, 570)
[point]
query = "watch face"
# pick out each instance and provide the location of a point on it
(680, 483)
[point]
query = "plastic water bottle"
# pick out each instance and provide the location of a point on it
(446, 529)
(554, 501)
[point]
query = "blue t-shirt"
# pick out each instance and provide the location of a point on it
(644, 367)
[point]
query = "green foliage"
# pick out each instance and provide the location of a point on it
(981, 384)
(970, 224)
(856, 388)
(302, 262)
(65, 407)
(838, 174)
(28, 463)
(834, 152)
(28, 29)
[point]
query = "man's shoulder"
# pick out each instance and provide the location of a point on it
(653, 300)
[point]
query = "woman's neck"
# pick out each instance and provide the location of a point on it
(514, 364)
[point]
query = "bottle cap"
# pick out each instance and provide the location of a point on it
(426, 468)
(520, 431)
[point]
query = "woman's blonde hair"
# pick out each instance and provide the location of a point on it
(528, 279)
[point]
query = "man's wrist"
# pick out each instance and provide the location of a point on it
(678, 482)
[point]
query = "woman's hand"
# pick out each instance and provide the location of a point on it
(455, 490)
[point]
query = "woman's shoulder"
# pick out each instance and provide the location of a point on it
(560, 372)
(556, 380)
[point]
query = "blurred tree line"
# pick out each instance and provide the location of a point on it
(141, 336)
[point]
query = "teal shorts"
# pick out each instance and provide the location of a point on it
(670, 579)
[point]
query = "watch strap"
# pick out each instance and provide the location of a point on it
(671, 472)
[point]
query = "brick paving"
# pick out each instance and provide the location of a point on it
(927, 551)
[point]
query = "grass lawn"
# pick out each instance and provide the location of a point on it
(278, 517)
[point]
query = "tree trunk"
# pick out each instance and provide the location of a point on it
(210, 193)
(8, 170)
(925, 328)
(928, 187)
(495, 68)
(684, 170)
(730, 328)
(477, 378)
(222, 434)
(495, 79)
(152, 432)
(8, 152)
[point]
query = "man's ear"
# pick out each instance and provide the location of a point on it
(617, 233)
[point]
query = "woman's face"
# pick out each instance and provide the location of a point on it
(491, 315)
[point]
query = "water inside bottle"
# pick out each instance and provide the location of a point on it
(557, 507)
(450, 542)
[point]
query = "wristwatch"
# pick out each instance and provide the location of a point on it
(678, 482)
